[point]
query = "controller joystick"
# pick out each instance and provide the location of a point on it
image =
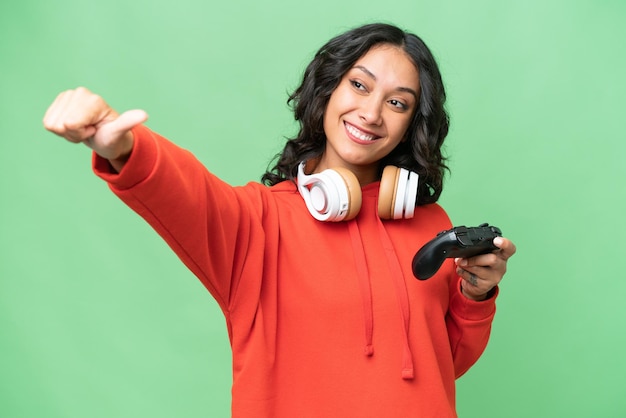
(460, 241)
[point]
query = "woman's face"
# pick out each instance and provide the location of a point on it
(369, 112)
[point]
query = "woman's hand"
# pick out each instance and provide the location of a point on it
(82, 116)
(482, 273)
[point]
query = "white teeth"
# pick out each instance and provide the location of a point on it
(359, 134)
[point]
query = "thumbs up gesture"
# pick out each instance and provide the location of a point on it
(82, 116)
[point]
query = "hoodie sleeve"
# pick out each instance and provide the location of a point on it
(469, 326)
(207, 223)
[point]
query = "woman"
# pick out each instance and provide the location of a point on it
(324, 318)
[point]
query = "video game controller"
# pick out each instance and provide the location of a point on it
(460, 241)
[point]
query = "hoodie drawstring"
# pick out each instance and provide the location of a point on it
(364, 284)
(403, 299)
(366, 292)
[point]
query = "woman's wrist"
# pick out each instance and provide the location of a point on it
(477, 298)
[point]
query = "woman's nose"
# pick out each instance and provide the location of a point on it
(370, 111)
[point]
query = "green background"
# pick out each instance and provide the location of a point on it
(99, 319)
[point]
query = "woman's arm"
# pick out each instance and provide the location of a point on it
(210, 226)
(472, 303)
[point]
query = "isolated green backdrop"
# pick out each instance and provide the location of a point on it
(99, 319)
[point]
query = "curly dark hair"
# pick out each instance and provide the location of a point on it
(421, 152)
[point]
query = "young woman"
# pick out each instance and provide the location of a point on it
(312, 269)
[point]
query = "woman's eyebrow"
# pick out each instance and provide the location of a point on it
(373, 77)
(366, 71)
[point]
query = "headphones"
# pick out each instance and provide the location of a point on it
(335, 194)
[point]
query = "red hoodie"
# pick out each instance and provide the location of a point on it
(324, 319)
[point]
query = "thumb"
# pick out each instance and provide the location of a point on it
(112, 138)
(125, 122)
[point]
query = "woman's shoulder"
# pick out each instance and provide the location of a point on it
(264, 197)
(286, 186)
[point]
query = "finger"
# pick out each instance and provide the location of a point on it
(506, 246)
(480, 272)
(484, 263)
(472, 281)
(53, 113)
(73, 114)
(47, 117)
(472, 278)
(480, 278)
(481, 260)
(125, 122)
(110, 133)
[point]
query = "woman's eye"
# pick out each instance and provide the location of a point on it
(398, 104)
(357, 85)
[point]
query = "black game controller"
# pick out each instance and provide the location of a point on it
(460, 241)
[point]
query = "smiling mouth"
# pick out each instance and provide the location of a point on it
(359, 134)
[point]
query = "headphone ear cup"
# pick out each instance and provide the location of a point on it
(355, 198)
(398, 193)
(400, 197)
(332, 195)
(387, 192)
(411, 194)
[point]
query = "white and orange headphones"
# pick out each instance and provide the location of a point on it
(335, 194)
